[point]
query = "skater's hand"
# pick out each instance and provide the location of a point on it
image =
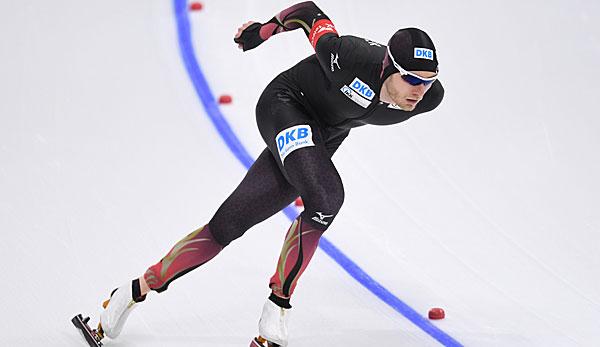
(248, 36)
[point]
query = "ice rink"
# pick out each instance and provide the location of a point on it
(488, 206)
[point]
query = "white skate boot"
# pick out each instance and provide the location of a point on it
(272, 326)
(116, 310)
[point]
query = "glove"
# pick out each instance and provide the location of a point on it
(250, 37)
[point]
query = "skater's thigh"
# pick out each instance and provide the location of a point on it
(263, 192)
(297, 143)
(264, 185)
(285, 125)
(312, 173)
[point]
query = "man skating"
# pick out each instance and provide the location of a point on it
(303, 115)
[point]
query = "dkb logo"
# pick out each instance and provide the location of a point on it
(291, 135)
(423, 53)
(293, 138)
(362, 88)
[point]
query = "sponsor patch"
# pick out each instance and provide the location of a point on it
(352, 95)
(423, 53)
(362, 88)
(293, 138)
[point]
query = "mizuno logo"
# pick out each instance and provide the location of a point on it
(334, 60)
(373, 43)
(320, 218)
(323, 216)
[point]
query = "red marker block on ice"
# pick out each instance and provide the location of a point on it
(225, 99)
(299, 202)
(437, 313)
(196, 6)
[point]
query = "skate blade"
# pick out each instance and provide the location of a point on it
(262, 342)
(91, 336)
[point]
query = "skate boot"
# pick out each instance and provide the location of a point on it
(272, 326)
(116, 309)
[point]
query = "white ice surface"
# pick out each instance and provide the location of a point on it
(488, 206)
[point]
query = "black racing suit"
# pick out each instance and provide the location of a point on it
(303, 115)
(332, 91)
(330, 86)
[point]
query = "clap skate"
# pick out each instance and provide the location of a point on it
(116, 310)
(91, 336)
(261, 342)
(272, 326)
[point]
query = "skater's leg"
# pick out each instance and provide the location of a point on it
(192, 251)
(312, 172)
(263, 192)
(302, 149)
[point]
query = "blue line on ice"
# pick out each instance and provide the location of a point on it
(212, 109)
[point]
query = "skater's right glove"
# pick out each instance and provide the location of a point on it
(250, 37)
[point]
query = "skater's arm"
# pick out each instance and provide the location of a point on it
(305, 15)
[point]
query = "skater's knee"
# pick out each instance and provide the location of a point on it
(224, 232)
(322, 206)
(332, 198)
(326, 196)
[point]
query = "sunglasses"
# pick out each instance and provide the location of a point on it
(409, 77)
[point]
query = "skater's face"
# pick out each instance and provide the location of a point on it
(404, 94)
